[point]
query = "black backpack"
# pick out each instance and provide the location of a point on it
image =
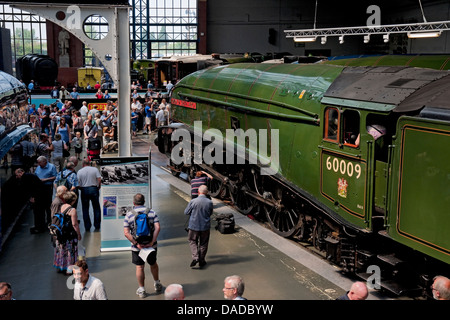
(94, 144)
(61, 228)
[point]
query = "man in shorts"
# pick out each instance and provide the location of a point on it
(128, 224)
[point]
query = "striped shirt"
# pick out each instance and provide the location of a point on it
(196, 183)
(128, 222)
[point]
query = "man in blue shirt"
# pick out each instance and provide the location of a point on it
(71, 176)
(134, 121)
(74, 94)
(54, 93)
(47, 173)
(148, 117)
(200, 210)
(31, 85)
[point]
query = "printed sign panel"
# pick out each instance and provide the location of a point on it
(122, 178)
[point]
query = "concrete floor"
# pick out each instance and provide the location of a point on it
(273, 268)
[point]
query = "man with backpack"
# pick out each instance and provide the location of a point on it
(68, 178)
(141, 228)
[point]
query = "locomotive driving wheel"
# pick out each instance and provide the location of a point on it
(243, 202)
(284, 218)
(217, 189)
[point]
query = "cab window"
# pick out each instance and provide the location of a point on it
(351, 128)
(331, 124)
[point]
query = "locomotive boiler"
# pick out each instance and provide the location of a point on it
(360, 156)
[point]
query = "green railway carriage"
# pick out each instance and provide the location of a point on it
(359, 196)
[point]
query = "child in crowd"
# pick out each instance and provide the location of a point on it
(78, 145)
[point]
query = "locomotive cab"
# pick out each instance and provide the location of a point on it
(354, 158)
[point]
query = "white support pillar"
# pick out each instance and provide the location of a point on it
(113, 50)
(124, 82)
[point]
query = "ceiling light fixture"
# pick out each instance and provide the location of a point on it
(305, 39)
(415, 35)
(412, 30)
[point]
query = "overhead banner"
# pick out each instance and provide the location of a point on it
(122, 178)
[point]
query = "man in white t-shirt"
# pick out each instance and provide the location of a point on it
(84, 111)
(89, 181)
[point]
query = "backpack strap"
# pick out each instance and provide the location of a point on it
(67, 210)
(67, 174)
(135, 213)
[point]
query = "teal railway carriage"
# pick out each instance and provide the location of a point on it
(361, 197)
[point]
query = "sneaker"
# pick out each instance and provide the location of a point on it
(141, 293)
(158, 286)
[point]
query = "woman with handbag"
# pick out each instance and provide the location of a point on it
(66, 251)
(64, 130)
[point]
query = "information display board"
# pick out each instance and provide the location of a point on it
(122, 178)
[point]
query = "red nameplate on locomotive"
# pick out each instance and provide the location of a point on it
(182, 103)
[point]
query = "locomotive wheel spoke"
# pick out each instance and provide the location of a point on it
(215, 188)
(243, 202)
(284, 222)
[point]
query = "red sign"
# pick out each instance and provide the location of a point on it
(182, 103)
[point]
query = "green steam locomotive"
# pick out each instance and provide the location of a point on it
(353, 159)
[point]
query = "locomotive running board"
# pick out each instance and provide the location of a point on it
(390, 259)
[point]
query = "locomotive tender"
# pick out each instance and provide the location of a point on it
(363, 173)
